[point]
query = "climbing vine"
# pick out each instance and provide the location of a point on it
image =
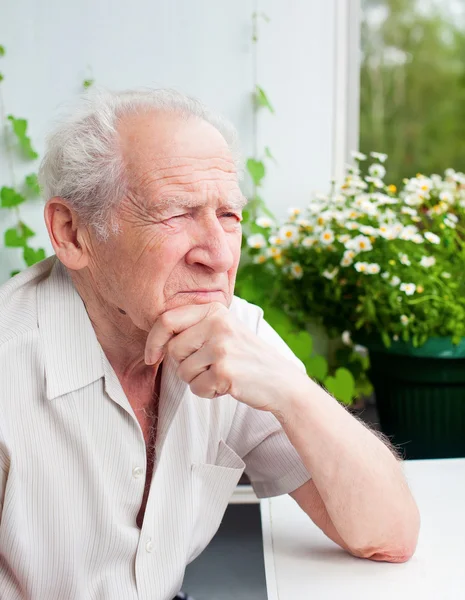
(18, 145)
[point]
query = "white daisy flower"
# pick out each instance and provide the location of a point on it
(331, 274)
(259, 259)
(321, 197)
(376, 170)
(395, 337)
(449, 221)
(417, 238)
(348, 258)
(432, 237)
(361, 267)
(293, 212)
(360, 243)
(296, 270)
(408, 232)
(368, 230)
(352, 225)
(449, 172)
(387, 232)
(327, 237)
(288, 233)
(314, 207)
(395, 281)
(404, 319)
(413, 200)
(346, 338)
(373, 269)
(276, 240)
(264, 222)
(358, 155)
(408, 288)
(406, 210)
(274, 252)
(385, 275)
(379, 156)
(446, 275)
(427, 261)
(308, 241)
(256, 241)
(446, 196)
(376, 181)
(344, 238)
(303, 222)
(404, 259)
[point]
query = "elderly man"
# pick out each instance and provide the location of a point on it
(136, 389)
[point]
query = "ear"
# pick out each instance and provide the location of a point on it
(66, 234)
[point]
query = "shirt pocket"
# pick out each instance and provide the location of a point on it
(212, 488)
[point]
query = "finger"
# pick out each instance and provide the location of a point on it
(207, 385)
(189, 341)
(173, 322)
(195, 364)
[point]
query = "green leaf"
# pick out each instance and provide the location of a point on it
(13, 273)
(256, 169)
(13, 239)
(317, 367)
(300, 343)
(26, 231)
(2, 50)
(1, 77)
(20, 129)
(341, 386)
(10, 197)
(32, 183)
(32, 256)
(262, 99)
(87, 83)
(268, 154)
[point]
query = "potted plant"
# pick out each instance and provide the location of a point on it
(388, 266)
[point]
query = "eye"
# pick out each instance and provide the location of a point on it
(231, 215)
(176, 217)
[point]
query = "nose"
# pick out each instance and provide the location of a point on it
(211, 247)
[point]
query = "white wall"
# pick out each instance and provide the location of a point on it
(202, 47)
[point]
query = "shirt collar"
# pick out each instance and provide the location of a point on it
(72, 353)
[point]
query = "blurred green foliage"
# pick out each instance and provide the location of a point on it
(412, 93)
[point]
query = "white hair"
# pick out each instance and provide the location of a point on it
(83, 162)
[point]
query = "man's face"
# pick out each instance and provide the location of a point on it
(180, 221)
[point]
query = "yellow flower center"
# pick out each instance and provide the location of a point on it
(288, 234)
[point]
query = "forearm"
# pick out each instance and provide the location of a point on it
(358, 478)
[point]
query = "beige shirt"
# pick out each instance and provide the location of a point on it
(73, 457)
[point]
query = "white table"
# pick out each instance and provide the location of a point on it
(302, 563)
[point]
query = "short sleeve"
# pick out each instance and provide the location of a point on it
(272, 464)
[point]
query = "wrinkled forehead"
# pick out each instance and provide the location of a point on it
(180, 160)
(169, 142)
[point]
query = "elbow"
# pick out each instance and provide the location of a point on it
(398, 547)
(392, 553)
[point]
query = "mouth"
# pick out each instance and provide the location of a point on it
(204, 294)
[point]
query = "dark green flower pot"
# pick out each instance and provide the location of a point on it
(420, 396)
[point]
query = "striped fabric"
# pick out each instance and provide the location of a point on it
(73, 457)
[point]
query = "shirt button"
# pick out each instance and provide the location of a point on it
(149, 545)
(137, 472)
